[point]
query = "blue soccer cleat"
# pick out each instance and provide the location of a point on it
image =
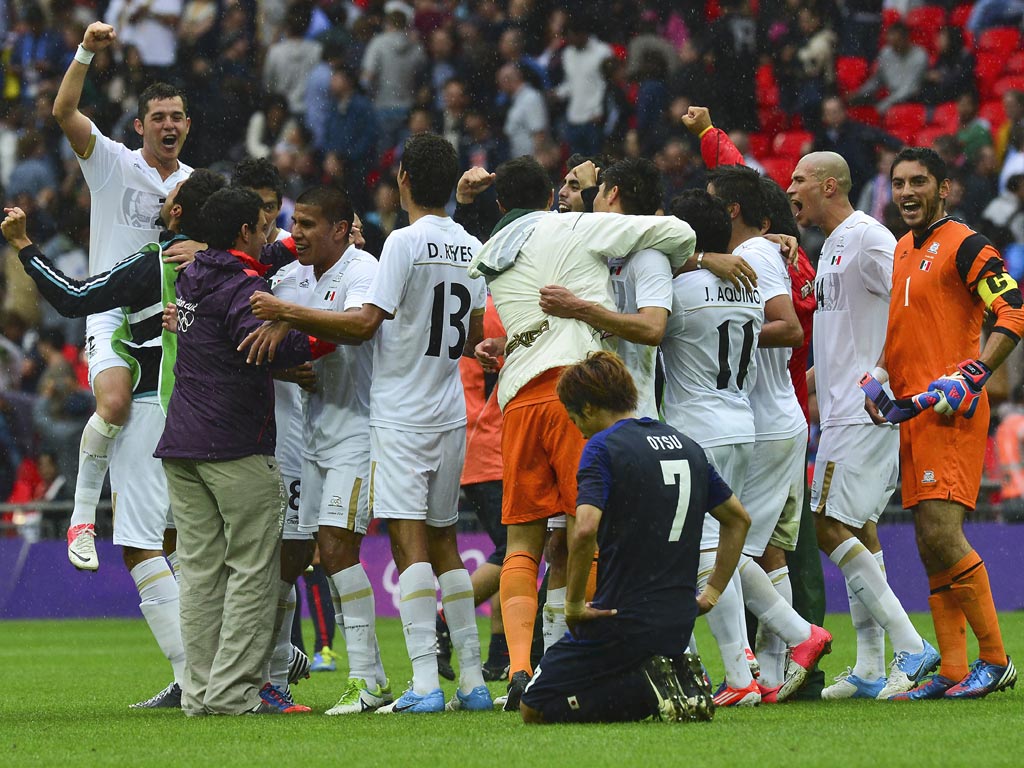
(851, 686)
(907, 669)
(410, 701)
(477, 700)
(933, 687)
(324, 661)
(983, 679)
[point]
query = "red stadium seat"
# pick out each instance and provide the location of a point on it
(926, 136)
(987, 69)
(1008, 83)
(760, 145)
(780, 169)
(905, 133)
(905, 117)
(865, 114)
(929, 16)
(772, 120)
(1015, 64)
(945, 116)
(792, 143)
(993, 112)
(958, 16)
(1002, 40)
(851, 72)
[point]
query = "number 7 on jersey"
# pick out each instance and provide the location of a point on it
(677, 472)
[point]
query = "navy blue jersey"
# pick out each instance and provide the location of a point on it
(653, 485)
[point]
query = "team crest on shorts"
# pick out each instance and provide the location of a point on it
(928, 477)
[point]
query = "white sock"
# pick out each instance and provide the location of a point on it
(768, 605)
(771, 649)
(282, 653)
(691, 647)
(358, 617)
(554, 617)
(866, 579)
(418, 606)
(725, 626)
(460, 612)
(93, 460)
(172, 560)
(159, 594)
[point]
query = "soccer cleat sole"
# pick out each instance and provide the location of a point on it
(661, 676)
(796, 674)
(700, 700)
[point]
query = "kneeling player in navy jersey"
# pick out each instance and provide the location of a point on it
(644, 488)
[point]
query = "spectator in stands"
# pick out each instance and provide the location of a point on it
(511, 50)
(391, 66)
(899, 69)
(981, 184)
(860, 27)
(290, 61)
(152, 27)
(855, 141)
(197, 31)
(583, 86)
(619, 111)
(734, 51)
(953, 70)
(34, 174)
(455, 101)
(1013, 107)
(482, 147)
(526, 121)
(268, 126)
(805, 66)
(37, 54)
(351, 132)
(319, 101)
(1007, 211)
(973, 132)
(647, 41)
(444, 67)
(994, 13)
(1014, 162)
(876, 194)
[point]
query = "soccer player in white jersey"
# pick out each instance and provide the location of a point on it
(641, 283)
(855, 471)
(774, 476)
(710, 368)
(127, 189)
(332, 275)
(418, 415)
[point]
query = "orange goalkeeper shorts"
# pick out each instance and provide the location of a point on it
(540, 451)
(942, 457)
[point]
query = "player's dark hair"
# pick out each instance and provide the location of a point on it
(927, 157)
(433, 168)
(601, 380)
(522, 182)
(601, 161)
(258, 173)
(639, 183)
(741, 185)
(157, 92)
(333, 203)
(225, 212)
(708, 216)
(780, 213)
(192, 196)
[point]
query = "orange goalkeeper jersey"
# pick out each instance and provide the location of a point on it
(942, 284)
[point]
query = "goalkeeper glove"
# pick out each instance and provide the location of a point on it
(896, 411)
(961, 390)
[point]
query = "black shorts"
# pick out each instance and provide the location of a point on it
(587, 681)
(485, 500)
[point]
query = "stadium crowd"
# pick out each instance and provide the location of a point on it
(355, 96)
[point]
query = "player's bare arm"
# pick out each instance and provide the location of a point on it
(781, 327)
(351, 326)
(725, 266)
(582, 545)
(472, 183)
(489, 352)
(734, 521)
(475, 334)
(302, 375)
(647, 326)
(73, 123)
(182, 253)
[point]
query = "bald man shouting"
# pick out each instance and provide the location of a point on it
(857, 463)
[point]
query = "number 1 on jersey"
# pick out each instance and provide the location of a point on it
(678, 472)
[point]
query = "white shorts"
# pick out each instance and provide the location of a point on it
(731, 462)
(336, 495)
(292, 501)
(775, 483)
(142, 509)
(855, 472)
(557, 523)
(415, 475)
(98, 352)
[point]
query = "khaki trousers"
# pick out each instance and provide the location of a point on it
(228, 515)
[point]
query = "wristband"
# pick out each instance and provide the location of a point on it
(84, 55)
(575, 608)
(711, 595)
(701, 134)
(880, 374)
(700, 260)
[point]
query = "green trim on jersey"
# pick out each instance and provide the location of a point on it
(168, 340)
(118, 341)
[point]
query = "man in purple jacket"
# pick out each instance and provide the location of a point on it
(218, 454)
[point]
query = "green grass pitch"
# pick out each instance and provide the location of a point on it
(65, 687)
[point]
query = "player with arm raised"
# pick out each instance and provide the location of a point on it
(418, 413)
(945, 277)
(855, 472)
(127, 189)
(644, 489)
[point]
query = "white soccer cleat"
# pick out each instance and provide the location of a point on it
(358, 698)
(82, 547)
(851, 686)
